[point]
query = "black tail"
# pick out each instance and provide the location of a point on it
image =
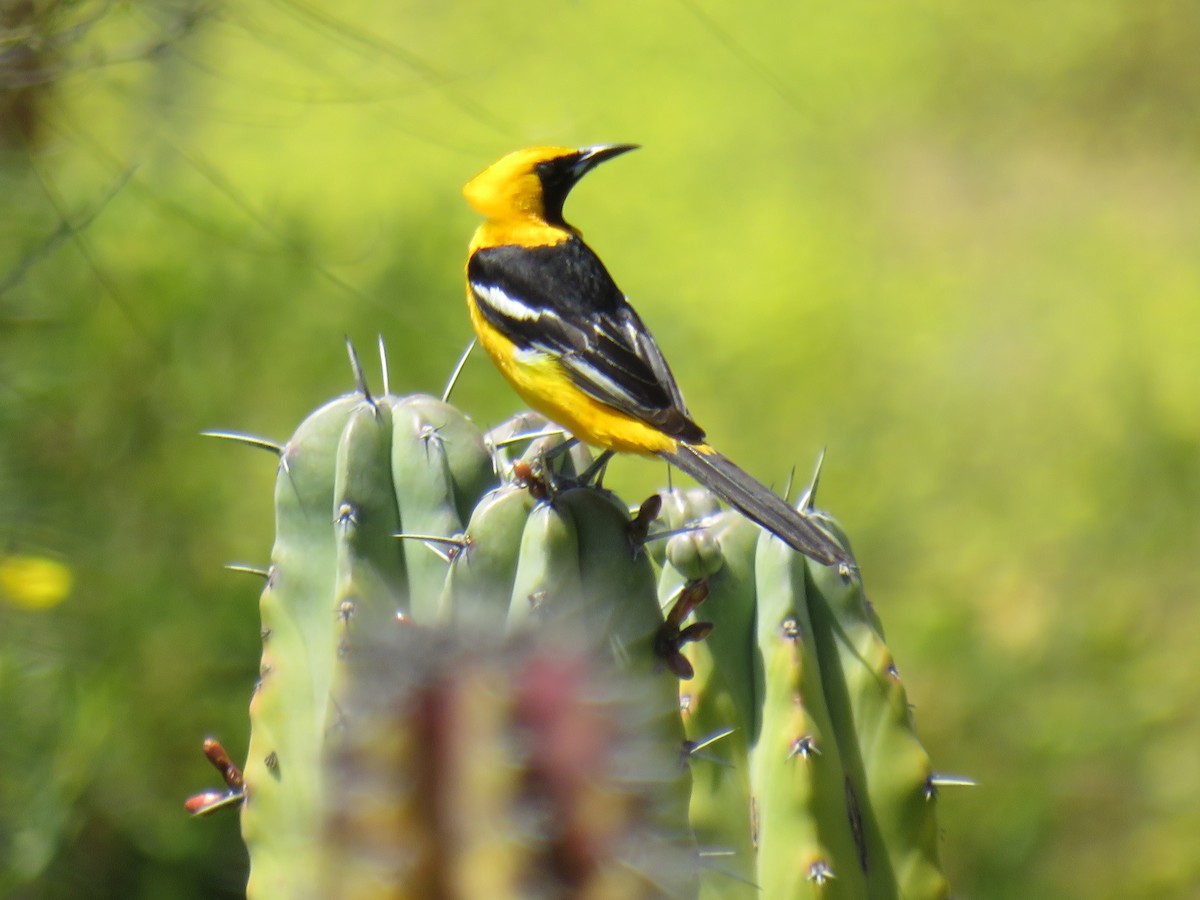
(757, 502)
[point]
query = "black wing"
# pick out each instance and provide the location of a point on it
(560, 299)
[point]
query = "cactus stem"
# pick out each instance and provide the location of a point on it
(458, 367)
(790, 747)
(249, 440)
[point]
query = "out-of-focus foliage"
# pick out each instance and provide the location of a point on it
(954, 243)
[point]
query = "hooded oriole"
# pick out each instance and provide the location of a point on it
(559, 329)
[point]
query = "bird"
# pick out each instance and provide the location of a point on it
(550, 316)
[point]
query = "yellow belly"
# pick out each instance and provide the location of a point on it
(545, 385)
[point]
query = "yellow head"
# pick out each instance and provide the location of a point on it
(533, 184)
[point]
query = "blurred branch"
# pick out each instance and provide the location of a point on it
(349, 34)
(41, 43)
(65, 230)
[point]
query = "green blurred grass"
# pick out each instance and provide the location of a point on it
(955, 245)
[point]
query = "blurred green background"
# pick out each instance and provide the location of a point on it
(956, 244)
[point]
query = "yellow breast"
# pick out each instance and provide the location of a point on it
(546, 386)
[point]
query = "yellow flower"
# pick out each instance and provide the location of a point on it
(34, 582)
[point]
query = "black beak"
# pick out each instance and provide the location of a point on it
(590, 157)
(559, 175)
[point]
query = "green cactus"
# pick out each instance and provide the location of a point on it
(340, 575)
(804, 816)
(718, 704)
(440, 468)
(889, 773)
(813, 736)
(356, 473)
(283, 771)
(479, 584)
(452, 626)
